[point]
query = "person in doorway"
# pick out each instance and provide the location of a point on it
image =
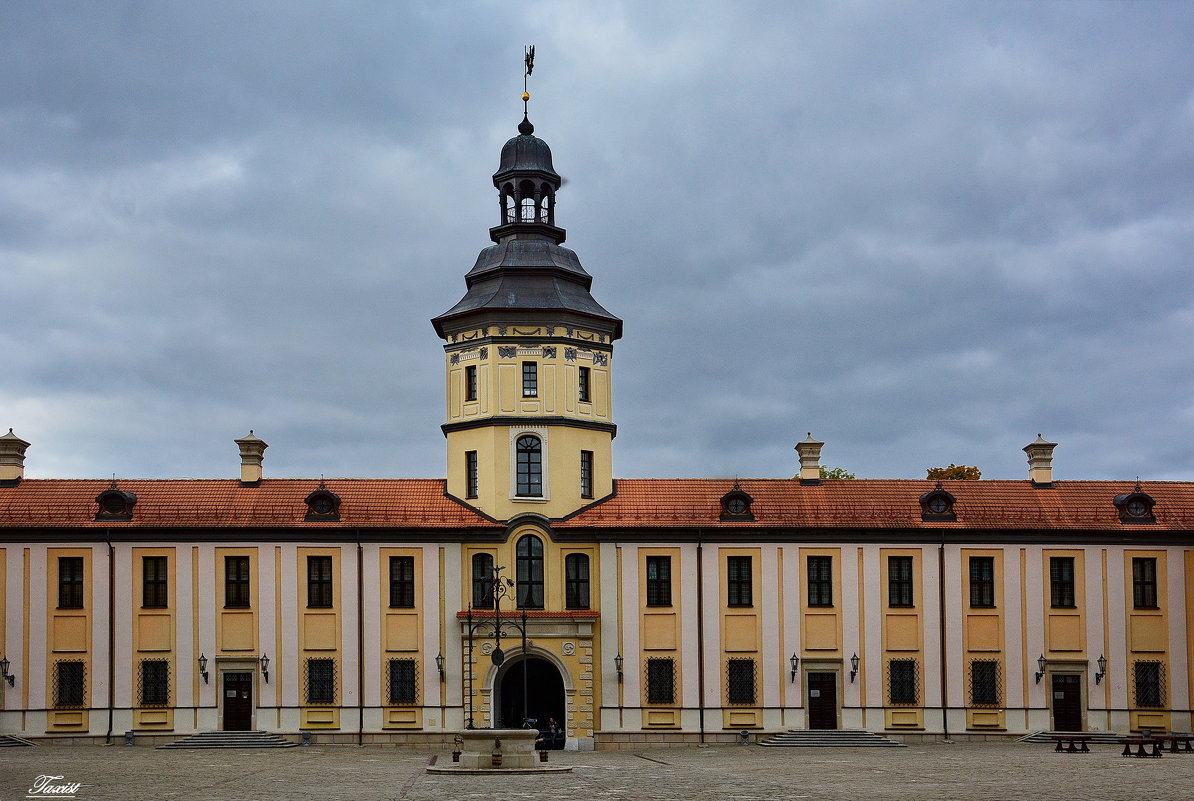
(554, 735)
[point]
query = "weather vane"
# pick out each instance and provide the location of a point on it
(528, 59)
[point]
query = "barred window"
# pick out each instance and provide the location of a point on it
(902, 684)
(70, 582)
(530, 379)
(984, 682)
(576, 581)
(319, 581)
(740, 681)
(483, 581)
(899, 581)
(659, 581)
(820, 581)
(70, 682)
(982, 581)
(321, 681)
(661, 681)
(154, 587)
(236, 581)
(583, 388)
(403, 681)
(528, 555)
(470, 382)
(471, 478)
(155, 682)
(402, 581)
(1149, 684)
(1144, 582)
(1061, 581)
(738, 581)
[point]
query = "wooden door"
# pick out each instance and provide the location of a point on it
(1067, 703)
(238, 701)
(822, 700)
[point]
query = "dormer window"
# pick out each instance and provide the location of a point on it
(735, 505)
(1135, 507)
(937, 506)
(323, 505)
(115, 504)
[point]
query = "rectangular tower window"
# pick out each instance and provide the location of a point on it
(1144, 582)
(820, 581)
(154, 587)
(470, 474)
(530, 379)
(586, 474)
(659, 581)
(899, 581)
(404, 681)
(70, 582)
(738, 581)
(583, 389)
(470, 382)
(319, 581)
(1061, 582)
(576, 581)
(982, 581)
(402, 581)
(661, 681)
(236, 582)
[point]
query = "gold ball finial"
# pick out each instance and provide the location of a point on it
(526, 96)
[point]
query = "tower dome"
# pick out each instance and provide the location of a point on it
(526, 153)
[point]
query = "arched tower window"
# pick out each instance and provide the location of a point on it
(509, 204)
(529, 453)
(576, 581)
(529, 561)
(483, 581)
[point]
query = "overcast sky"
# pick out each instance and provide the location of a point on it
(924, 232)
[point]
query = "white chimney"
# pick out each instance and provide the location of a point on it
(810, 460)
(1040, 461)
(252, 452)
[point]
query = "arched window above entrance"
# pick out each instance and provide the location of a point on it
(529, 580)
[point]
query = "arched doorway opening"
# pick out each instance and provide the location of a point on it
(545, 694)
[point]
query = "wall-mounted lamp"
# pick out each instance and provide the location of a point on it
(1040, 668)
(265, 667)
(1102, 662)
(203, 667)
(4, 674)
(618, 662)
(854, 660)
(795, 660)
(439, 664)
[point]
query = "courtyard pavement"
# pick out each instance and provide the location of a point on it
(962, 771)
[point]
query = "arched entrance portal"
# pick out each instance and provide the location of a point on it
(545, 693)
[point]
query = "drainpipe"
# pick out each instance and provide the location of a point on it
(111, 636)
(941, 627)
(360, 645)
(700, 584)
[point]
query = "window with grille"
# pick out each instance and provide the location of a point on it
(982, 581)
(738, 581)
(483, 581)
(321, 681)
(740, 681)
(70, 682)
(659, 581)
(902, 684)
(1149, 683)
(155, 682)
(154, 583)
(899, 581)
(586, 474)
(402, 581)
(403, 681)
(1061, 582)
(236, 581)
(530, 379)
(820, 581)
(529, 457)
(528, 554)
(984, 682)
(1144, 582)
(576, 581)
(583, 389)
(661, 681)
(70, 582)
(471, 477)
(319, 581)
(470, 382)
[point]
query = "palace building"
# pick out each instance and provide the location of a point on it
(662, 611)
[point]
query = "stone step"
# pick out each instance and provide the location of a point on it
(1108, 737)
(231, 739)
(829, 738)
(12, 741)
